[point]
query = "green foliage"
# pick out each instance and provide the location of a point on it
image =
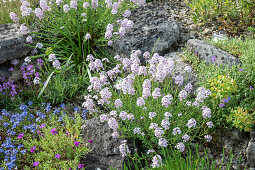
(64, 87)
(8, 6)
(173, 160)
(233, 15)
(241, 119)
(49, 145)
(236, 82)
(49, 131)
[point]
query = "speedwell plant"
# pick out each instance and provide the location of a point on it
(151, 103)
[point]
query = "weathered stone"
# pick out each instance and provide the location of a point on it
(12, 44)
(207, 51)
(151, 23)
(105, 149)
(250, 152)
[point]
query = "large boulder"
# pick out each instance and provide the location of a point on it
(151, 23)
(104, 148)
(207, 51)
(12, 44)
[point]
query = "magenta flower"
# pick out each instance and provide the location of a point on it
(58, 156)
(53, 131)
(35, 163)
(213, 58)
(42, 126)
(221, 105)
(33, 149)
(20, 135)
(90, 141)
(76, 143)
(81, 165)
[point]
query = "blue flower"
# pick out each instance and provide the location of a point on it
(5, 124)
(23, 151)
(76, 109)
(30, 103)
(23, 107)
(221, 105)
(56, 111)
(62, 105)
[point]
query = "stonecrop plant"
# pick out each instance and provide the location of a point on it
(242, 119)
(41, 137)
(151, 103)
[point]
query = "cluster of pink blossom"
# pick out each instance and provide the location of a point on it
(25, 9)
(166, 100)
(6, 86)
(180, 146)
(124, 150)
(89, 104)
(55, 62)
(202, 93)
(176, 131)
(95, 65)
(191, 123)
(156, 162)
(14, 18)
(105, 95)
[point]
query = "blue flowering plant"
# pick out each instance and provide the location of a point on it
(42, 137)
(151, 103)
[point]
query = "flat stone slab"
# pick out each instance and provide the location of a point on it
(151, 22)
(207, 51)
(12, 44)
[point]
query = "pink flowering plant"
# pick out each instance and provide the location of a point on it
(75, 28)
(152, 103)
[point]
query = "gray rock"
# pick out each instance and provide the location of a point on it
(207, 51)
(104, 148)
(252, 134)
(12, 44)
(250, 152)
(151, 22)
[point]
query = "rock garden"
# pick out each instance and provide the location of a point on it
(119, 84)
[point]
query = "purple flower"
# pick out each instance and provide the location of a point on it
(213, 58)
(81, 165)
(53, 131)
(33, 149)
(251, 88)
(240, 69)
(42, 126)
(226, 100)
(90, 141)
(35, 163)
(20, 135)
(58, 156)
(222, 105)
(76, 143)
